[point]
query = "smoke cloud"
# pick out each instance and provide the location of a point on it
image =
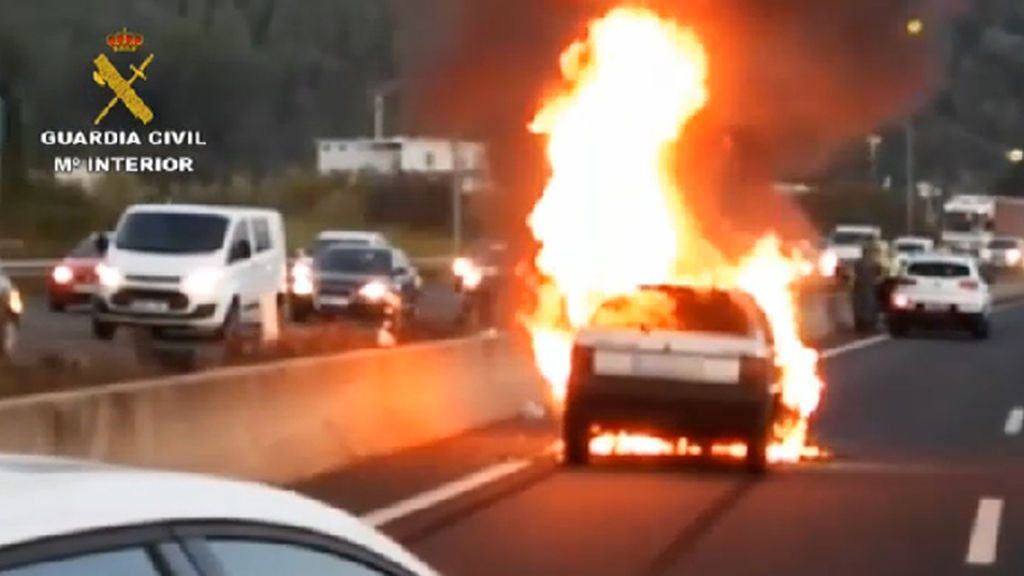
(790, 81)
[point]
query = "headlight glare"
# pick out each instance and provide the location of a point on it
(201, 282)
(14, 302)
(109, 276)
(374, 291)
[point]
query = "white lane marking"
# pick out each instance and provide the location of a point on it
(985, 532)
(855, 345)
(443, 493)
(1015, 421)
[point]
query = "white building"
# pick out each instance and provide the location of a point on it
(403, 155)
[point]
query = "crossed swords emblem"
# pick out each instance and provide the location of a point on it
(106, 74)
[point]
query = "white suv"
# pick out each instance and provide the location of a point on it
(74, 518)
(940, 290)
(190, 270)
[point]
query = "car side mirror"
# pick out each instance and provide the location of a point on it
(101, 243)
(241, 250)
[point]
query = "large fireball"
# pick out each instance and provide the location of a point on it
(613, 217)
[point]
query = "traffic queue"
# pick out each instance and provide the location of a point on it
(197, 273)
(912, 282)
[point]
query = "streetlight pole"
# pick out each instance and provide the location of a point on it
(910, 176)
(378, 115)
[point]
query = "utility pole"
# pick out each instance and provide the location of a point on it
(911, 187)
(378, 116)
(3, 126)
(456, 199)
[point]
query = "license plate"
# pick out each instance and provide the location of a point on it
(334, 301)
(669, 366)
(152, 306)
(936, 306)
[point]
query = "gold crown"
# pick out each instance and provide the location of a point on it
(124, 41)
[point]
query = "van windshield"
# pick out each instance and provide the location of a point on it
(172, 232)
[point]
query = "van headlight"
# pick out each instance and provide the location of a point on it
(14, 302)
(1012, 256)
(201, 283)
(109, 276)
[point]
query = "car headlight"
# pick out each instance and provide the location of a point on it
(467, 272)
(201, 282)
(374, 291)
(1012, 256)
(62, 274)
(109, 276)
(14, 302)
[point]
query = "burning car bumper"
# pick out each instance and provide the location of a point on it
(685, 409)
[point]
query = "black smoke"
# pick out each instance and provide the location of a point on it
(791, 80)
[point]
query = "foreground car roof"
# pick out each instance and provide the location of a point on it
(42, 497)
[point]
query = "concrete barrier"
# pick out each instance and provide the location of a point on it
(285, 421)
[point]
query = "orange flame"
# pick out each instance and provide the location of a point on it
(612, 216)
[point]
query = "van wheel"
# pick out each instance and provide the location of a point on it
(231, 333)
(103, 330)
(8, 340)
(575, 439)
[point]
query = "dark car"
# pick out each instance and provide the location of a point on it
(368, 284)
(11, 309)
(696, 364)
(478, 279)
(73, 281)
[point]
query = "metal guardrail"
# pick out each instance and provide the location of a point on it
(39, 267)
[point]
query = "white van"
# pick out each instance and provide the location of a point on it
(190, 269)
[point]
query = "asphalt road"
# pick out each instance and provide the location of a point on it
(927, 478)
(46, 333)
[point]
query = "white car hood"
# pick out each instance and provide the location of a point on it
(130, 263)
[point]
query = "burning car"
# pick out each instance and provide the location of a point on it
(693, 363)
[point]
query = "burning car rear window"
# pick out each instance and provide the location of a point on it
(938, 270)
(679, 310)
(1002, 244)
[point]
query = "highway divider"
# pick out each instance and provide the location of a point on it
(288, 420)
(285, 420)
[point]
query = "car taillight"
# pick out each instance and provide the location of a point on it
(900, 301)
(969, 284)
(755, 371)
(904, 281)
(62, 274)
